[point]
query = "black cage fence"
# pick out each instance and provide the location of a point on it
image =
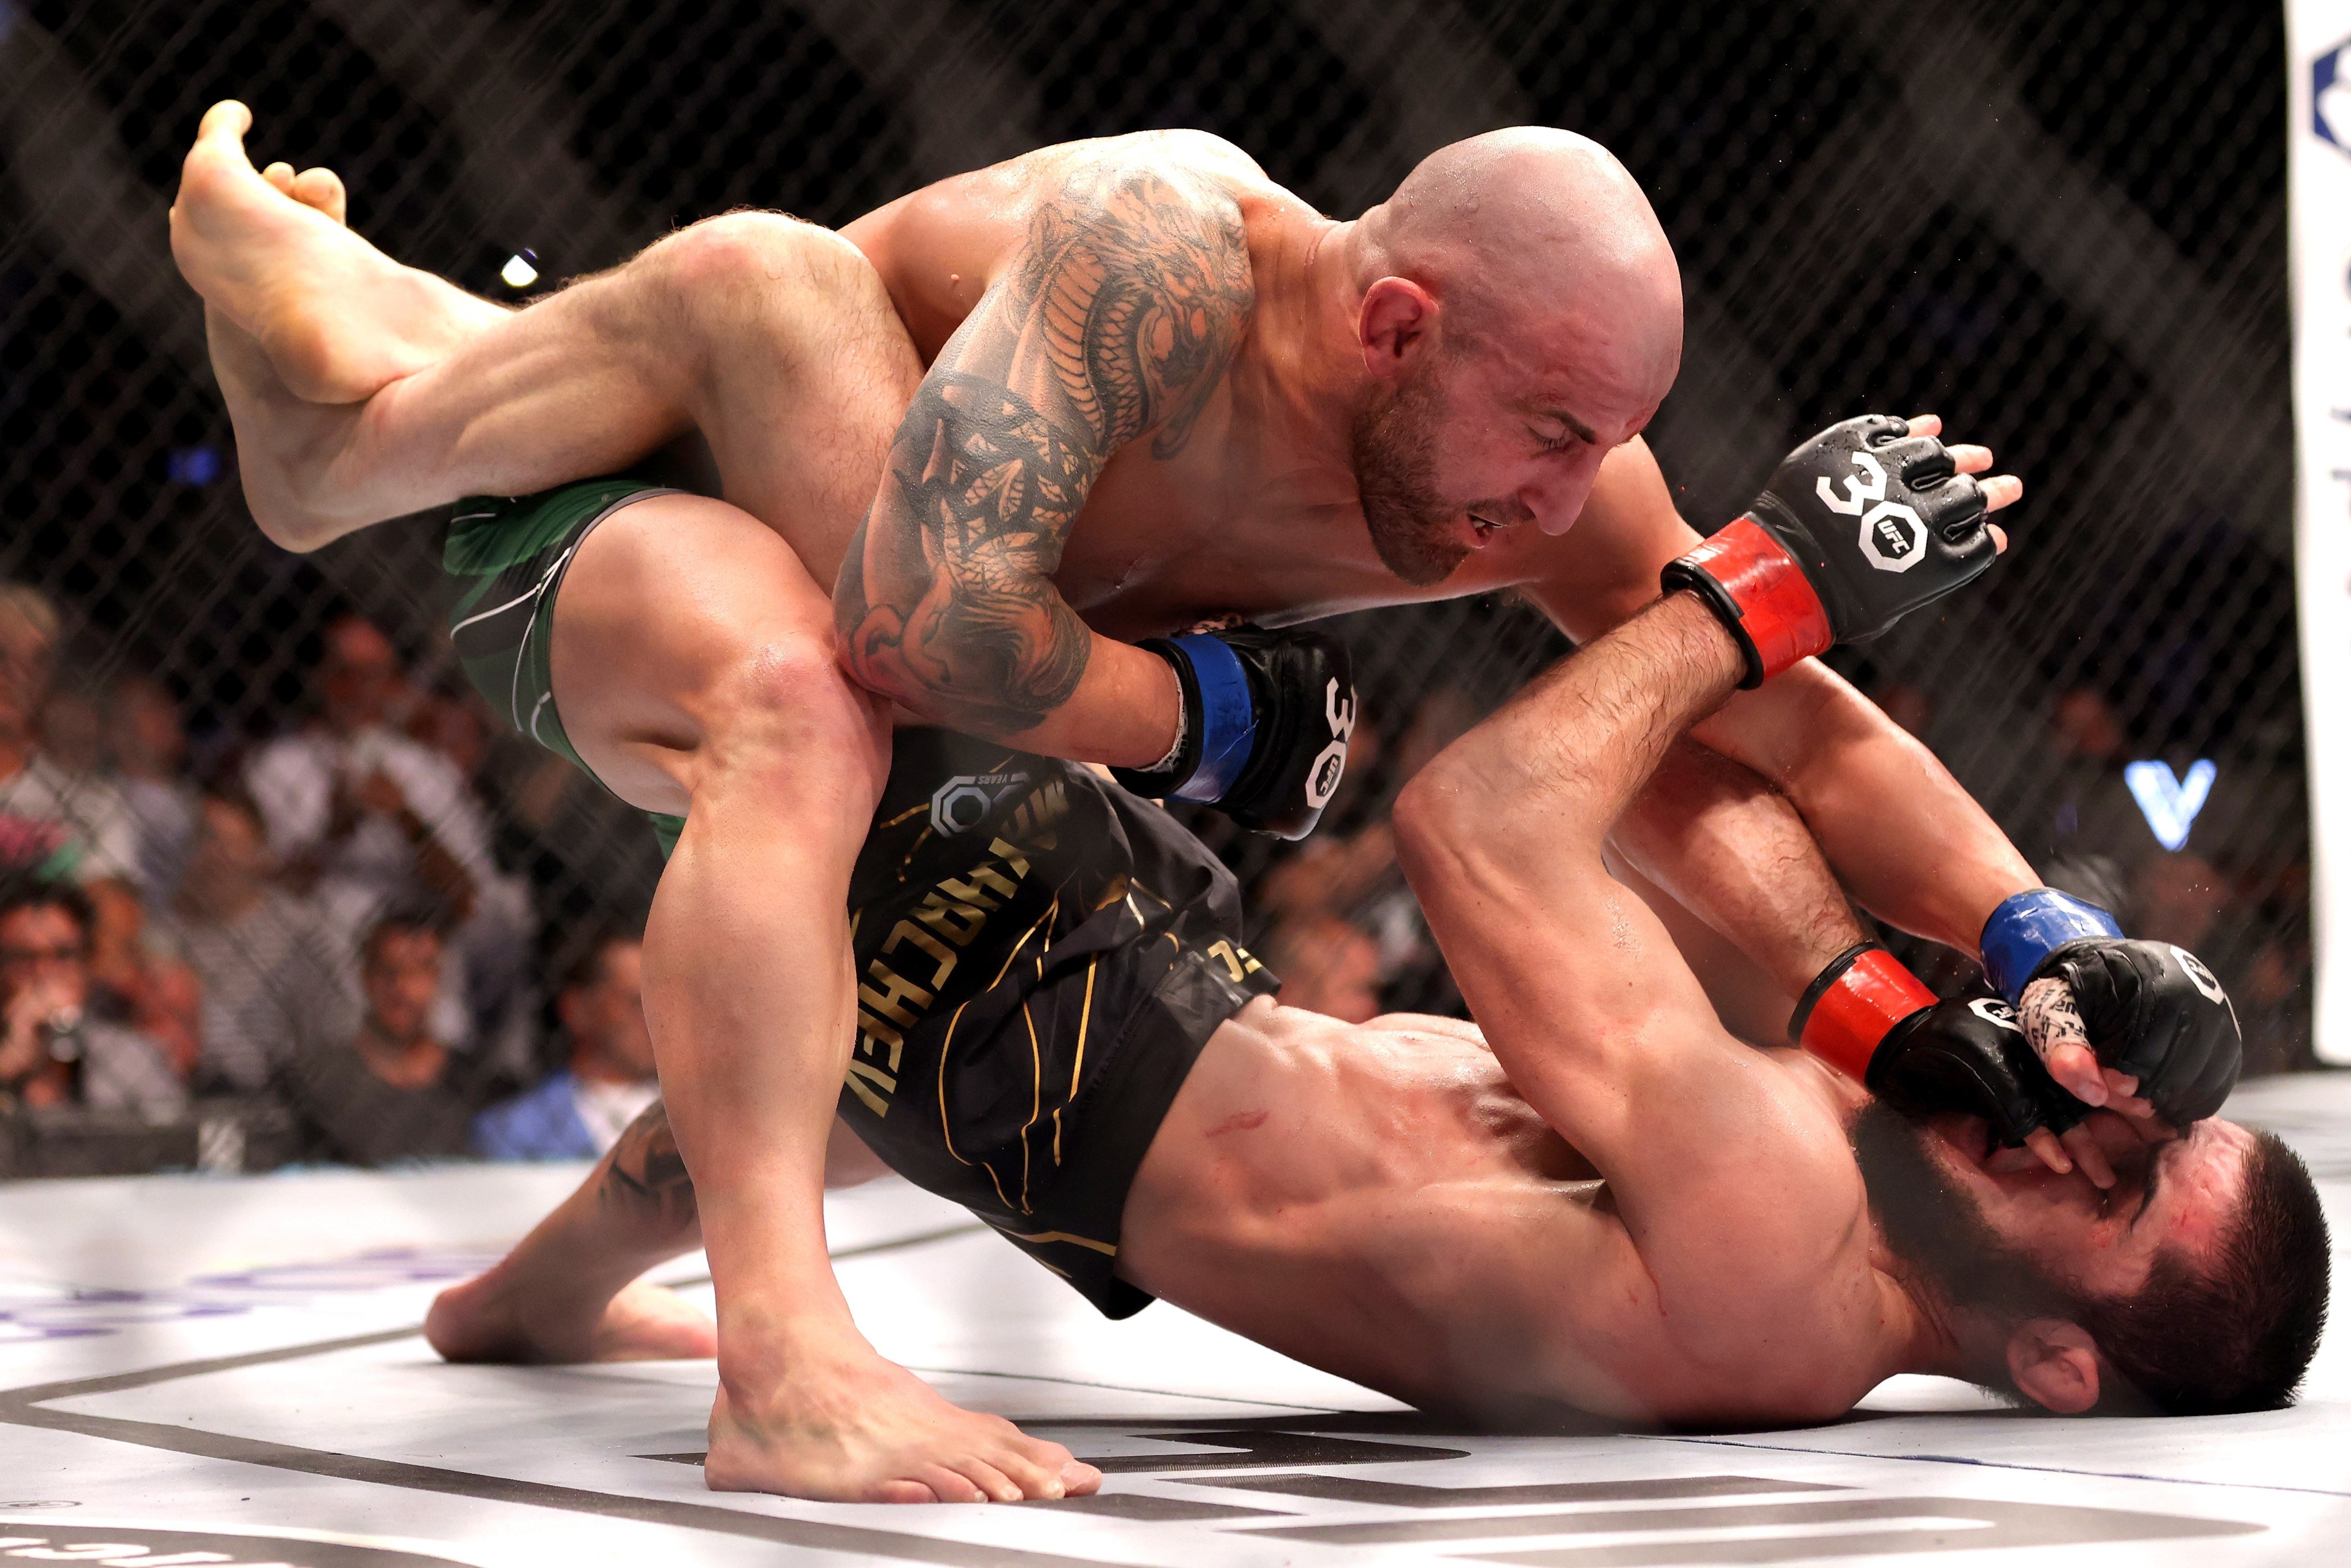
(2060, 226)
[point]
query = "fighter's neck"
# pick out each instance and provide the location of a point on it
(1301, 377)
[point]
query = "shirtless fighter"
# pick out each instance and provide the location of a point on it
(1161, 392)
(1604, 1201)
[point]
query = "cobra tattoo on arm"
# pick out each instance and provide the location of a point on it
(1118, 317)
(645, 1177)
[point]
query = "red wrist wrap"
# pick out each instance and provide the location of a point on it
(1779, 614)
(1853, 1012)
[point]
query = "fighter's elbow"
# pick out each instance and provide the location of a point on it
(1430, 822)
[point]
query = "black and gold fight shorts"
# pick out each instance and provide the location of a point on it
(1041, 955)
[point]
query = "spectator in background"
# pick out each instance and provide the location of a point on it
(494, 948)
(53, 1051)
(385, 1091)
(271, 986)
(2085, 810)
(149, 750)
(72, 731)
(360, 816)
(1327, 966)
(68, 824)
(580, 1110)
(2179, 898)
(136, 979)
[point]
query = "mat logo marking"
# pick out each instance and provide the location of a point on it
(143, 1546)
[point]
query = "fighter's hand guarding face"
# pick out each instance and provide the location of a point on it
(2139, 1027)
(1861, 525)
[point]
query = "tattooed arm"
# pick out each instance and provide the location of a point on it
(1114, 320)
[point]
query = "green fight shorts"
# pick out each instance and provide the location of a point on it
(505, 562)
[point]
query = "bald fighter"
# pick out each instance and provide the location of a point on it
(1598, 1199)
(968, 448)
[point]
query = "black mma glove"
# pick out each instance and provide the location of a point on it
(1873, 1019)
(1267, 718)
(2146, 1008)
(1860, 525)
(2156, 1012)
(1971, 1055)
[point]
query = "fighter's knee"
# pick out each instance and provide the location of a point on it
(754, 253)
(788, 687)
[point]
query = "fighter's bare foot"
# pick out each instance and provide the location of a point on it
(484, 1319)
(318, 188)
(848, 1427)
(338, 319)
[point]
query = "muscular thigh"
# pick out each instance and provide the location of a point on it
(805, 372)
(689, 637)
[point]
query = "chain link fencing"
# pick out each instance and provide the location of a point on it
(2060, 226)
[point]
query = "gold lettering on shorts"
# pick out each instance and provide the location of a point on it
(956, 909)
(1238, 962)
(892, 1005)
(863, 1079)
(872, 1031)
(907, 931)
(956, 921)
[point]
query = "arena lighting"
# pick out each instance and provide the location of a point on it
(2171, 803)
(518, 272)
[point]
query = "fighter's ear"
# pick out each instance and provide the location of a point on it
(2054, 1363)
(1393, 324)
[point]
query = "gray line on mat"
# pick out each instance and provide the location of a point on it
(2002, 1465)
(29, 1407)
(1117, 1388)
(706, 1516)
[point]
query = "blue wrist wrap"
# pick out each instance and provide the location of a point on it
(1227, 717)
(2030, 926)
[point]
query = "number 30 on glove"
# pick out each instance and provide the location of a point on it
(1267, 716)
(1860, 525)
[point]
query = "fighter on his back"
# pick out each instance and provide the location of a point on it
(1161, 392)
(1603, 1200)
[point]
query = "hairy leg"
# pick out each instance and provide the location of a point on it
(751, 327)
(570, 1291)
(567, 1292)
(694, 669)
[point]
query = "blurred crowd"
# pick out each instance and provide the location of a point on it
(314, 931)
(348, 931)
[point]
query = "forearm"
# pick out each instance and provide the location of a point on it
(1724, 844)
(1564, 759)
(1910, 843)
(1021, 668)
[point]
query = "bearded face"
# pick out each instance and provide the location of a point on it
(1414, 527)
(1937, 1231)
